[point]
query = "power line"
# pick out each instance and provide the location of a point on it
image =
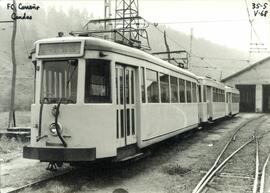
(219, 58)
(191, 54)
(251, 23)
(202, 21)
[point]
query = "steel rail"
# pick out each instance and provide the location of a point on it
(256, 178)
(221, 153)
(15, 190)
(227, 159)
(221, 165)
(263, 174)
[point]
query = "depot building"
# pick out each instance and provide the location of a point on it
(253, 83)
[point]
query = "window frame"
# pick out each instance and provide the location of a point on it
(188, 101)
(41, 68)
(185, 95)
(171, 90)
(167, 90)
(143, 84)
(158, 89)
(109, 100)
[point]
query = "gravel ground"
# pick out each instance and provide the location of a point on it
(264, 150)
(240, 169)
(175, 165)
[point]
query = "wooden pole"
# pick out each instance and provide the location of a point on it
(14, 67)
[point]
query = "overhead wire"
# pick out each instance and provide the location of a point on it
(251, 24)
(203, 21)
(191, 54)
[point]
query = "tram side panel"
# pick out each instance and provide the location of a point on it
(161, 121)
(219, 110)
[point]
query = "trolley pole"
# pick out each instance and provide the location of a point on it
(167, 47)
(14, 67)
(190, 46)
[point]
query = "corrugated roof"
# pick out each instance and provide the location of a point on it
(245, 69)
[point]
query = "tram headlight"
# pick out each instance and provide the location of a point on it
(52, 128)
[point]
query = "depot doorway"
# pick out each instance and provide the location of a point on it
(266, 98)
(247, 98)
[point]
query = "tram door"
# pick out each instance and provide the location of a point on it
(125, 100)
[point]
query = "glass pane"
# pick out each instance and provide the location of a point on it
(116, 82)
(127, 86)
(174, 90)
(117, 124)
(97, 81)
(60, 80)
(182, 91)
(132, 87)
(143, 85)
(200, 93)
(188, 83)
(128, 122)
(152, 86)
(122, 122)
(121, 75)
(194, 92)
(164, 87)
(133, 122)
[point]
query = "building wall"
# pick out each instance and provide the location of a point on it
(258, 75)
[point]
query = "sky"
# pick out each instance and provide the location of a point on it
(224, 22)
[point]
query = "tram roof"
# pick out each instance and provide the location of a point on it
(92, 43)
(231, 89)
(210, 81)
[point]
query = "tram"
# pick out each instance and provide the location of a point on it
(96, 100)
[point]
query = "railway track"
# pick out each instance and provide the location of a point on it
(55, 175)
(233, 170)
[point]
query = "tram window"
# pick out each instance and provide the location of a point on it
(217, 95)
(97, 81)
(214, 95)
(143, 85)
(200, 93)
(174, 89)
(152, 86)
(194, 92)
(164, 87)
(188, 83)
(182, 91)
(59, 80)
(204, 93)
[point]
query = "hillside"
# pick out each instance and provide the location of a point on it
(207, 59)
(43, 27)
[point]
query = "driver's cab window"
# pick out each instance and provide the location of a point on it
(59, 80)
